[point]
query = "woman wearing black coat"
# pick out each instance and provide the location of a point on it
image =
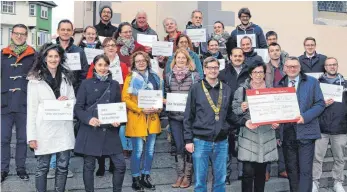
(93, 139)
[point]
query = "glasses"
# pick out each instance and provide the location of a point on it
(19, 34)
(212, 68)
(107, 12)
(140, 61)
(310, 45)
(332, 65)
(109, 46)
(292, 67)
(258, 72)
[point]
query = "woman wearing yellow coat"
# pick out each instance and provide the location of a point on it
(143, 124)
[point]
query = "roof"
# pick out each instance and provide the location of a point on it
(47, 3)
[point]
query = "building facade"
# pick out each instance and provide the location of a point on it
(36, 15)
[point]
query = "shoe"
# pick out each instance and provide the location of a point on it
(283, 174)
(188, 172)
(227, 182)
(178, 182)
(338, 187)
(136, 186)
(315, 187)
(69, 174)
(23, 175)
(146, 182)
(4, 174)
(51, 173)
(267, 176)
(100, 172)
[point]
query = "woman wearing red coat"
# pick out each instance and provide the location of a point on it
(119, 72)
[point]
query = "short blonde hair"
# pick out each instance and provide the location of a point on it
(190, 62)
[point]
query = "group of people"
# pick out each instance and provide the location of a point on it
(215, 126)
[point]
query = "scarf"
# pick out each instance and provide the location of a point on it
(18, 49)
(55, 82)
(90, 45)
(140, 82)
(180, 73)
(101, 77)
(215, 55)
(221, 38)
(128, 45)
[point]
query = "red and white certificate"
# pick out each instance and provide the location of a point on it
(273, 105)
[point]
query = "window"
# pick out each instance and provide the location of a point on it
(42, 38)
(8, 7)
(332, 6)
(32, 10)
(44, 12)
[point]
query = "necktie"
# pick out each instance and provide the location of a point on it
(292, 83)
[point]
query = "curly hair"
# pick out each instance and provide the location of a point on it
(40, 70)
(144, 54)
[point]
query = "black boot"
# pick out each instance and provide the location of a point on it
(146, 182)
(136, 184)
(101, 171)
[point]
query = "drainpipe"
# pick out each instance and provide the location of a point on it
(94, 13)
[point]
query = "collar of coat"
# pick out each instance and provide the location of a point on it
(284, 81)
(208, 86)
(71, 40)
(28, 51)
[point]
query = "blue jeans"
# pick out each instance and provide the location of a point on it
(218, 153)
(135, 163)
(126, 142)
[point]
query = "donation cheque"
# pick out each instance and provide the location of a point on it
(112, 112)
(273, 105)
(55, 110)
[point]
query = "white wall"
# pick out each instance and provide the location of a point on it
(21, 15)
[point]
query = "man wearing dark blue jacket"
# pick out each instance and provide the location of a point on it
(207, 120)
(333, 125)
(246, 27)
(311, 61)
(299, 138)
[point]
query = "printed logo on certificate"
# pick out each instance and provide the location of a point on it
(92, 53)
(146, 40)
(331, 91)
(176, 102)
(150, 99)
(55, 110)
(273, 105)
(197, 35)
(252, 36)
(73, 61)
(112, 112)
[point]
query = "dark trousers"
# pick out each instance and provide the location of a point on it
(281, 163)
(7, 122)
(298, 155)
(253, 176)
(118, 173)
(177, 133)
(43, 162)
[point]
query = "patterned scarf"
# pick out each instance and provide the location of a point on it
(128, 45)
(221, 38)
(101, 77)
(140, 82)
(18, 49)
(90, 45)
(180, 73)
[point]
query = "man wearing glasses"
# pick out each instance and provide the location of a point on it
(333, 125)
(299, 138)
(16, 61)
(207, 120)
(311, 61)
(105, 27)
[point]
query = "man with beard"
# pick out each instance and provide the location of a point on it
(105, 27)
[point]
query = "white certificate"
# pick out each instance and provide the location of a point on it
(221, 64)
(146, 40)
(176, 102)
(264, 54)
(196, 35)
(315, 75)
(150, 99)
(331, 91)
(102, 38)
(112, 112)
(252, 36)
(92, 53)
(73, 61)
(155, 65)
(273, 105)
(162, 48)
(55, 110)
(117, 74)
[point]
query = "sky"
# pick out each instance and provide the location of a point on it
(64, 10)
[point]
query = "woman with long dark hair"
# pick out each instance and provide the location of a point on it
(49, 80)
(93, 138)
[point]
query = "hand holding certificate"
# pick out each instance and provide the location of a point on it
(112, 112)
(55, 110)
(273, 105)
(150, 99)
